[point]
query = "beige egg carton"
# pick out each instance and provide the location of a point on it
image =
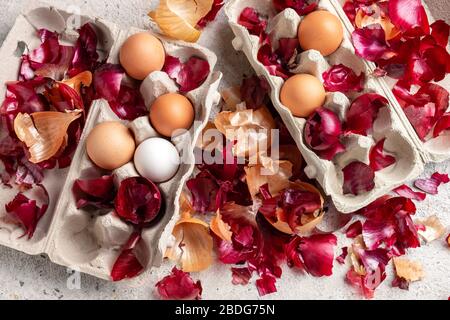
(88, 241)
(392, 124)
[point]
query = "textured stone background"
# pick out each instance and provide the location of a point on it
(27, 277)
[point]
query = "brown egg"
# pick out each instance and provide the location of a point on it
(141, 55)
(110, 145)
(321, 31)
(171, 112)
(303, 94)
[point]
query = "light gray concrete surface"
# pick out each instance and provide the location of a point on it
(29, 277)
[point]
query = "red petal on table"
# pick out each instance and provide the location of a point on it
(98, 193)
(251, 20)
(314, 254)
(179, 286)
(241, 276)
(440, 32)
(130, 104)
(127, 265)
(432, 184)
(378, 159)
(189, 75)
(138, 201)
(302, 7)
(343, 79)
(27, 212)
(358, 178)
(370, 43)
(212, 14)
(322, 133)
(360, 282)
(86, 56)
(430, 64)
(442, 125)
(400, 283)
(409, 16)
(391, 224)
(407, 192)
(354, 230)
(107, 81)
(343, 256)
(363, 112)
(254, 91)
(266, 285)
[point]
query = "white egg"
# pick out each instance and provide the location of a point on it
(157, 160)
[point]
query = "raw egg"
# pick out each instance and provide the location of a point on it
(141, 55)
(302, 94)
(110, 145)
(157, 160)
(171, 112)
(321, 31)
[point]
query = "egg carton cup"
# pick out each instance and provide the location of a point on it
(391, 124)
(91, 241)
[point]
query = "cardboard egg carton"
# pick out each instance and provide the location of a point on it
(392, 124)
(89, 241)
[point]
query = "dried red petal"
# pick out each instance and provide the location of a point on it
(409, 16)
(22, 97)
(343, 256)
(127, 265)
(241, 276)
(314, 254)
(86, 56)
(107, 81)
(204, 191)
(440, 32)
(189, 75)
(266, 285)
(322, 134)
(432, 184)
(407, 192)
(98, 193)
(378, 159)
(212, 14)
(442, 125)
(343, 79)
(302, 7)
(254, 91)
(400, 283)
(130, 104)
(350, 10)
(391, 224)
(179, 286)
(363, 112)
(448, 240)
(272, 61)
(354, 230)
(138, 201)
(254, 23)
(287, 49)
(359, 178)
(27, 212)
(370, 43)
(360, 282)
(49, 60)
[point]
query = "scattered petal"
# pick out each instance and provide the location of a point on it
(127, 265)
(407, 192)
(179, 286)
(355, 230)
(343, 79)
(408, 270)
(370, 43)
(432, 184)
(98, 193)
(409, 16)
(433, 228)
